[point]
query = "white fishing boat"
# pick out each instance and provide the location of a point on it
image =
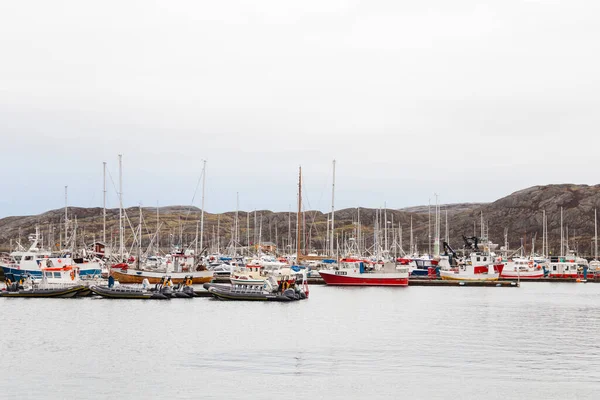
(479, 267)
(26, 262)
(522, 268)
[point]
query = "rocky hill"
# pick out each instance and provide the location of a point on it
(520, 213)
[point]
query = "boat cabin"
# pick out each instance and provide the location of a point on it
(60, 275)
(562, 269)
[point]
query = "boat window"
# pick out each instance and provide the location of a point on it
(17, 258)
(57, 274)
(554, 268)
(27, 258)
(478, 258)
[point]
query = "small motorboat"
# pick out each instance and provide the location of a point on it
(114, 290)
(127, 292)
(268, 290)
(62, 282)
(22, 289)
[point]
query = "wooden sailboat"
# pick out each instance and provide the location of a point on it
(183, 264)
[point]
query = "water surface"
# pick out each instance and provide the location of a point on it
(538, 341)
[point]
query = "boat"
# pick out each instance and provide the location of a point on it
(522, 268)
(165, 289)
(267, 290)
(479, 267)
(126, 292)
(360, 273)
(60, 282)
(563, 267)
(24, 263)
(126, 273)
(419, 266)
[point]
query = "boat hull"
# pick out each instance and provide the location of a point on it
(45, 293)
(137, 276)
(365, 279)
(524, 275)
(454, 276)
(126, 294)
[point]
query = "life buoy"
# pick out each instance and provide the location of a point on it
(72, 275)
(21, 281)
(285, 285)
(188, 281)
(8, 282)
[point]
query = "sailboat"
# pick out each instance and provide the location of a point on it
(183, 263)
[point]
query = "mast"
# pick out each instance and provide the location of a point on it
(139, 237)
(411, 236)
(595, 235)
(104, 205)
(359, 233)
(543, 233)
(120, 208)
(202, 211)
(429, 227)
(561, 232)
(218, 233)
(66, 218)
(289, 229)
(385, 223)
(237, 208)
(436, 243)
(447, 228)
(196, 241)
(248, 231)
(299, 212)
(332, 209)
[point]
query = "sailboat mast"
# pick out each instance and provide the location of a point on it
(202, 211)
(104, 204)
(359, 233)
(196, 241)
(299, 212)
(385, 224)
(595, 235)
(157, 229)
(543, 233)
(561, 232)
(429, 227)
(332, 210)
(290, 228)
(248, 231)
(66, 219)
(120, 208)
(237, 210)
(411, 236)
(139, 237)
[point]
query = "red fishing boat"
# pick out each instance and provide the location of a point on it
(362, 273)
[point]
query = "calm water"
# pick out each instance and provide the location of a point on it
(539, 341)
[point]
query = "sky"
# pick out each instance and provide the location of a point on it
(468, 99)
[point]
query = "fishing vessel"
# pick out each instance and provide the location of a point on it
(522, 268)
(360, 273)
(26, 262)
(479, 267)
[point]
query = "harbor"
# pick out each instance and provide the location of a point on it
(338, 200)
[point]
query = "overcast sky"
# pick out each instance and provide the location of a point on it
(466, 99)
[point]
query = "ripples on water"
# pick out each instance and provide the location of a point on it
(540, 341)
